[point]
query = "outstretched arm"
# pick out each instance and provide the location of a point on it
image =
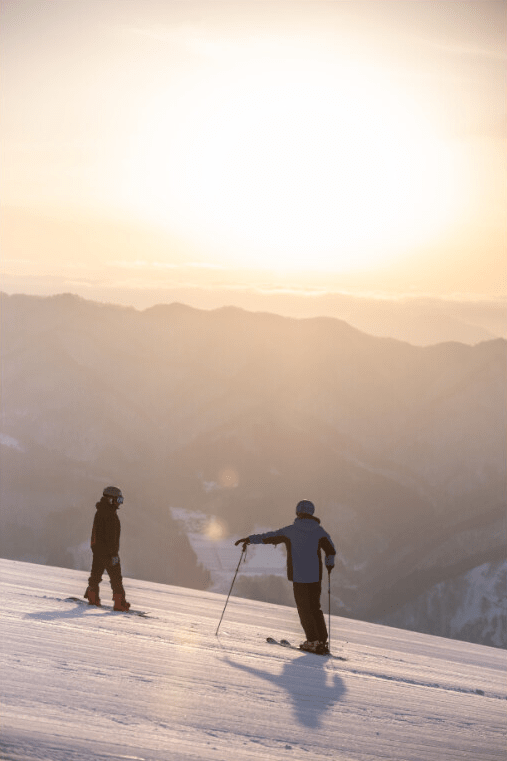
(269, 537)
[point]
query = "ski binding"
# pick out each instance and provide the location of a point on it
(287, 644)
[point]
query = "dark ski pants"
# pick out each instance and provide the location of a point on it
(103, 563)
(307, 597)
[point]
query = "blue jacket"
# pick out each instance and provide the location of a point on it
(303, 539)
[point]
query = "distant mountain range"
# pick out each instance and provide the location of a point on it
(239, 415)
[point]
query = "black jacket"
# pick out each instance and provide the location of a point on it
(106, 530)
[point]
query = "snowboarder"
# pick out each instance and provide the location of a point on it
(105, 544)
(304, 539)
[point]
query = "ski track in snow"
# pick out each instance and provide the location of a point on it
(81, 683)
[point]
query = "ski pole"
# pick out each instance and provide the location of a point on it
(329, 605)
(230, 590)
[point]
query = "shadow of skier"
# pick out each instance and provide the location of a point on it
(312, 688)
(76, 611)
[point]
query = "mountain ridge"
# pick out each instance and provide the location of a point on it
(399, 446)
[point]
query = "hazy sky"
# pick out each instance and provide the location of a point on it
(340, 145)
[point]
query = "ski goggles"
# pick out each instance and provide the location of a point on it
(118, 500)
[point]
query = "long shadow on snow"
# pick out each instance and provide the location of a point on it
(51, 615)
(312, 688)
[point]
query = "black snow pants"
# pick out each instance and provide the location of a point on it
(103, 563)
(307, 597)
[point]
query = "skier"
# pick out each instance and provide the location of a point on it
(105, 544)
(304, 539)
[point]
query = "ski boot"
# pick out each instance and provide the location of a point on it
(120, 603)
(322, 648)
(309, 647)
(92, 595)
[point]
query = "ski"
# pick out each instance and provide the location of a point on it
(287, 644)
(129, 612)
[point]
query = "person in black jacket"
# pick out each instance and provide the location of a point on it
(105, 544)
(304, 540)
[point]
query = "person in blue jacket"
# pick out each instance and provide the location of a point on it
(304, 540)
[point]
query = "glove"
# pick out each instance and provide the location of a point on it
(329, 563)
(115, 560)
(246, 540)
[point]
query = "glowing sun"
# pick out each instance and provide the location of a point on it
(293, 164)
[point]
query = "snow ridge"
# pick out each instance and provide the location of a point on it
(87, 683)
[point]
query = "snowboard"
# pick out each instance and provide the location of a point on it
(130, 612)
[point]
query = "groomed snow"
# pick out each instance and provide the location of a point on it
(81, 683)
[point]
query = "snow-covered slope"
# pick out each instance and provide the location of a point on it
(82, 683)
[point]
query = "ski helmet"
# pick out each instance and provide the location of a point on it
(305, 507)
(114, 493)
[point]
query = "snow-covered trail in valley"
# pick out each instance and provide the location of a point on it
(81, 683)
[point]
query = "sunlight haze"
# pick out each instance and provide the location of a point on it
(333, 145)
